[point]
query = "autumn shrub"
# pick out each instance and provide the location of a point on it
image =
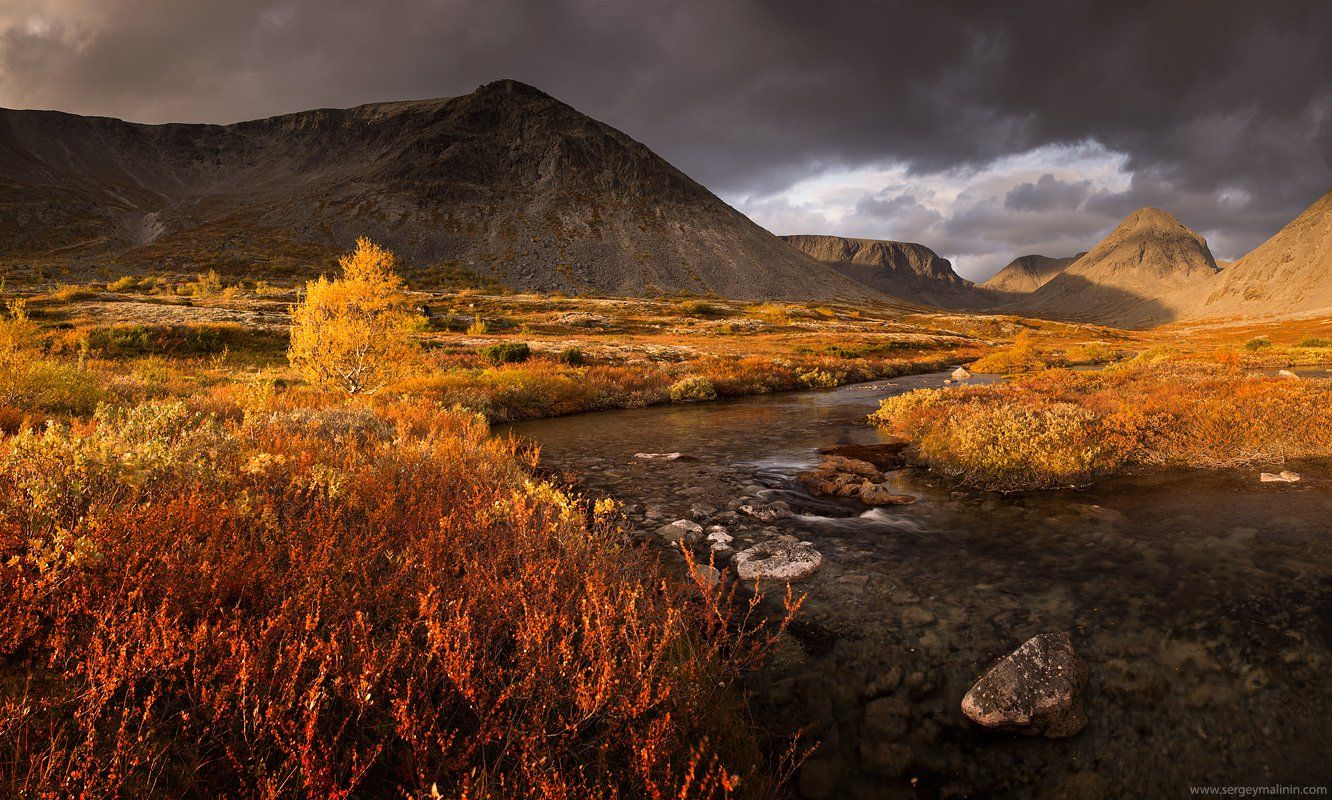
(49, 387)
(1257, 343)
(819, 379)
(70, 293)
(692, 389)
(338, 602)
(1021, 356)
(1061, 427)
(698, 308)
(572, 356)
(506, 352)
(1315, 341)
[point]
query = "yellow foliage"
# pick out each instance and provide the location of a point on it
(1061, 427)
(354, 333)
(17, 331)
(1021, 356)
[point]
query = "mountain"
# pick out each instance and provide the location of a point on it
(1289, 274)
(902, 269)
(1026, 274)
(1134, 277)
(506, 184)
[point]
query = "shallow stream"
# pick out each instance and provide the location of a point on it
(1202, 603)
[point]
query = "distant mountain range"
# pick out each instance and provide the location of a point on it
(508, 185)
(1025, 274)
(902, 269)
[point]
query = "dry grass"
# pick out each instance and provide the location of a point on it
(1060, 427)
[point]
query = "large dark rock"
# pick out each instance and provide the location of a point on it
(887, 456)
(1037, 690)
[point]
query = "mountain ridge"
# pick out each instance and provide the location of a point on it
(505, 184)
(903, 269)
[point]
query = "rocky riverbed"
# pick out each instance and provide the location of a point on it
(1202, 604)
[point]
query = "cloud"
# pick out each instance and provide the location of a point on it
(755, 97)
(1047, 193)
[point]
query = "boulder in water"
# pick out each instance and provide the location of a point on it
(1037, 690)
(878, 494)
(839, 476)
(1284, 476)
(1288, 375)
(781, 559)
(682, 530)
(886, 456)
(765, 512)
(961, 374)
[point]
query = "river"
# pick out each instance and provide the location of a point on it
(1201, 602)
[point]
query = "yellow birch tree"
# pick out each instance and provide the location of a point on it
(354, 333)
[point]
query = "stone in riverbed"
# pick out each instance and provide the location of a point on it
(961, 374)
(663, 457)
(1285, 476)
(1037, 690)
(682, 530)
(781, 559)
(884, 456)
(1288, 375)
(878, 494)
(719, 540)
(839, 476)
(765, 512)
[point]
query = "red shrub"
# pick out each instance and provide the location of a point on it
(338, 603)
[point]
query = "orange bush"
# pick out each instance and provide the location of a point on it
(334, 602)
(1061, 427)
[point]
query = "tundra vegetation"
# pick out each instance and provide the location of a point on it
(219, 582)
(256, 542)
(1062, 427)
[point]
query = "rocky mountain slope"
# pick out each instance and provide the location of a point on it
(1026, 274)
(902, 269)
(505, 184)
(1134, 277)
(1290, 274)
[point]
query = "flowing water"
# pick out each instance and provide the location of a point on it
(1202, 603)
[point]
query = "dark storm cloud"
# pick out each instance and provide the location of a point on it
(1047, 193)
(1228, 99)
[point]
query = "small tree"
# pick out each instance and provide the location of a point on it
(354, 333)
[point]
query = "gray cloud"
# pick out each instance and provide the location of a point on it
(1228, 100)
(1047, 193)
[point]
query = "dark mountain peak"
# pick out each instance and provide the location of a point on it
(506, 184)
(509, 86)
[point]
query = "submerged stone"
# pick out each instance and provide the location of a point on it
(1037, 690)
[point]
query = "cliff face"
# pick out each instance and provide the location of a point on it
(903, 269)
(506, 183)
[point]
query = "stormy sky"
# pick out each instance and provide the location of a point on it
(983, 129)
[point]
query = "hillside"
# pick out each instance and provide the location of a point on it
(1026, 274)
(902, 269)
(1134, 277)
(503, 185)
(1289, 274)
